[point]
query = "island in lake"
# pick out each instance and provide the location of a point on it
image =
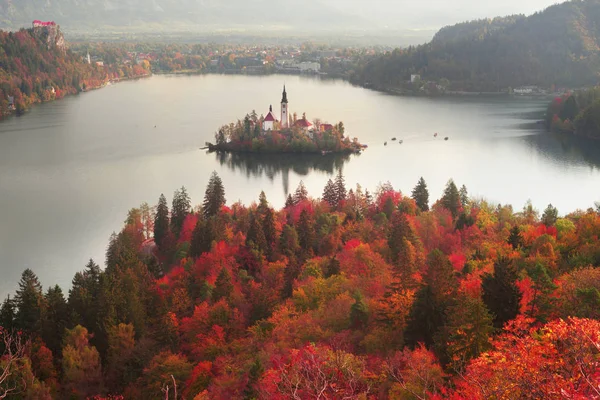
(267, 134)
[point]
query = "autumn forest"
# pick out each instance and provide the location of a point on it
(347, 294)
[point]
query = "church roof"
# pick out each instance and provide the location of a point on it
(270, 117)
(284, 98)
(303, 123)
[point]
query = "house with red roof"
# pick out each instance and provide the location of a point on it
(326, 127)
(269, 121)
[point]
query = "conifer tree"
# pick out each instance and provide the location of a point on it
(516, 238)
(420, 195)
(7, 314)
(306, 232)
(268, 225)
(263, 204)
(368, 198)
(202, 237)
(55, 319)
(403, 244)
(256, 237)
(289, 241)
(500, 292)
(83, 296)
(432, 301)
(451, 199)
(340, 188)
(329, 194)
(543, 302)
(214, 197)
(464, 196)
(180, 210)
(223, 285)
(289, 201)
(359, 312)
(550, 215)
(467, 332)
(301, 193)
(333, 267)
(30, 303)
(161, 221)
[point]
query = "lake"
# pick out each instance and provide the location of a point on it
(70, 170)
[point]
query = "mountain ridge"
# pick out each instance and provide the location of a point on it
(557, 46)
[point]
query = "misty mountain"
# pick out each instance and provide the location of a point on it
(558, 46)
(207, 14)
(392, 17)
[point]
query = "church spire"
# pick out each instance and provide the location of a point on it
(284, 98)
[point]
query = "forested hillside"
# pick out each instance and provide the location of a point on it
(576, 113)
(353, 295)
(558, 46)
(37, 66)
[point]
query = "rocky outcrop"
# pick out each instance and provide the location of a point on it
(51, 35)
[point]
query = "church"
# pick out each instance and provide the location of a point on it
(270, 123)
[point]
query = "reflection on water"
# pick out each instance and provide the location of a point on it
(254, 165)
(565, 149)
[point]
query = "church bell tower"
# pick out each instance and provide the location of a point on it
(285, 115)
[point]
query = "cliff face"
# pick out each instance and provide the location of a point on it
(52, 36)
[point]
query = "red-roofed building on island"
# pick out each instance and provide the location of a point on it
(269, 121)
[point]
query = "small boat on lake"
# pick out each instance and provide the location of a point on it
(385, 144)
(435, 134)
(402, 141)
(393, 138)
(446, 138)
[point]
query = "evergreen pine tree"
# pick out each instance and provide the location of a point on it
(55, 319)
(467, 332)
(340, 188)
(223, 285)
(161, 221)
(500, 292)
(7, 314)
(83, 296)
(306, 232)
(451, 199)
(289, 201)
(368, 198)
(403, 244)
(180, 210)
(289, 241)
(214, 197)
(256, 237)
(268, 225)
(464, 196)
(515, 239)
(202, 237)
(263, 204)
(30, 303)
(333, 268)
(432, 301)
(301, 193)
(550, 215)
(420, 195)
(543, 303)
(359, 312)
(329, 194)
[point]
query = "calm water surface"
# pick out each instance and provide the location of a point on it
(70, 170)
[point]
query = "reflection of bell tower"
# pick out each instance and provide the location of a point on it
(284, 110)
